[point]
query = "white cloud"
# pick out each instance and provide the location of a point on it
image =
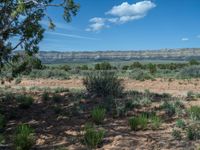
(127, 12)
(185, 39)
(70, 35)
(121, 14)
(97, 24)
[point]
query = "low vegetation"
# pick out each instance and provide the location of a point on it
(58, 113)
(24, 137)
(98, 115)
(93, 137)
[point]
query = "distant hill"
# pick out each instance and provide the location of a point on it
(164, 54)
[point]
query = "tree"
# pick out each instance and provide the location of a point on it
(20, 21)
(103, 66)
(193, 62)
(152, 68)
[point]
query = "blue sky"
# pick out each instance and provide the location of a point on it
(126, 25)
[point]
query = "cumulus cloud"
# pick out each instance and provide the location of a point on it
(97, 24)
(121, 14)
(128, 12)
(185, 39)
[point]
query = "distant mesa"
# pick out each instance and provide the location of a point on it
(164, 54)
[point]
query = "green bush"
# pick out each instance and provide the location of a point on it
(140, 75)
(98, 115)
(139, 122)
(103, 84)
(194, 113)
(61, 89)
(152, 68)
(24, 101)
(18, 80)
(145, 101)
(189, 72)
(155, 122)
(49, 73)
(103, 66)
(169, 108)
(176, 134)
(193, 62)
(180, 124)
(190, 96)
(93, 137)
(193, 132)
(24, 138)
(8, 96)
(45, 96)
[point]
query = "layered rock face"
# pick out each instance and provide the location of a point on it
(165, 54)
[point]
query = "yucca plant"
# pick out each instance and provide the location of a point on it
(133, 123)
(98, 115)
(180, 124)
(194, 113)
(139, 122)
(24, 138)
(155, 122)
(93, 137)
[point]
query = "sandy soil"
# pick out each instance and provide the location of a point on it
(175, 87)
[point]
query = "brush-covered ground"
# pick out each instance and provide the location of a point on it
(59, 115)
(137, 106)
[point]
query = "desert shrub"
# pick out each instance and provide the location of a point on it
(194, 113)
(66, 67)
(18, 80)
(190, 95)
(61, 89)
(126, 67)
(180, 124)
(176, 134)
(24, 138)
(169, 108)
(84, 67)
(98, 115)
(24, 101)
(49, 73)
(8, 96)
(103, 66)
(93, 137)
(189, 72)
(193, 132)
(152, 68)
(2, 122)
(45, 96)
(140, 75)
(145, 101)
(193, 62)
(136, 65)
(103, 84)
(57, 98)
(139, 122)
(155, 122)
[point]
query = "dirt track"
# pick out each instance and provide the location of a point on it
(174, 87)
